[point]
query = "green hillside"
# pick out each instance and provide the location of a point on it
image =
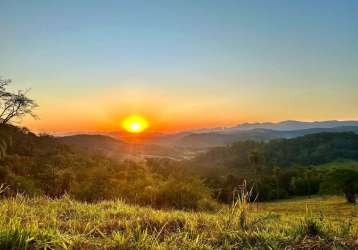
(312, 149)
(344, 164)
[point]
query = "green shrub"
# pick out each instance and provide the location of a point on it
(185, 193)
(311, 226)
(15, 239)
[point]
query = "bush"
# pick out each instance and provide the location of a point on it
(341, 181)
(187, 193)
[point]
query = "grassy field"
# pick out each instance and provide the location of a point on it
(347, 164)
(320, 223)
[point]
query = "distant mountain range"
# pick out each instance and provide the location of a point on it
(159, 143)
(213, 139)
(284, 126)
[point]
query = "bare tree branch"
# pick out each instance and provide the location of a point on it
(14, 105)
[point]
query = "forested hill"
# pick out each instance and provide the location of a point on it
(35, 165)
(96, 144)
(313, 149)
(22, 142)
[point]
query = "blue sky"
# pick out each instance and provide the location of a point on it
(183, 64)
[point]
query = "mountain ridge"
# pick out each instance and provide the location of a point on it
(194, 141)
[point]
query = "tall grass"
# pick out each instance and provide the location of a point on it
(241, 205)
(15, 239)
(42, 223)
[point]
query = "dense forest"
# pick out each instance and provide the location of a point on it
(43, 165)
(283, 167)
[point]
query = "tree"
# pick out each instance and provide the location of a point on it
(276, 173)
(14, 105)
(255, 159)
(5, 143)
(343, 180)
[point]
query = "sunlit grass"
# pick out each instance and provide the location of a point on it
(64, 223)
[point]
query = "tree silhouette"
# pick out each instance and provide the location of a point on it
(14, 105)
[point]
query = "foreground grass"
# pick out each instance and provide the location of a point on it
(323, 223)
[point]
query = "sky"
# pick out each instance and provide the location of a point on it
(181, 64)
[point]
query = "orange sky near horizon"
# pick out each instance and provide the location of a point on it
(163, 116)
(185, 108)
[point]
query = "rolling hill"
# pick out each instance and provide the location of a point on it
(214, 139)
(189, 142)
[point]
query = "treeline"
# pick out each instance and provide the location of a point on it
(42, 165)
(313, 149)
(270, 183)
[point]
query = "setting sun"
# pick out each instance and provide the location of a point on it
(135, 124)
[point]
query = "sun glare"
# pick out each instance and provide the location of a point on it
(135, 124)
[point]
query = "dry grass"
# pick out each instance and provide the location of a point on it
(66, 224)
